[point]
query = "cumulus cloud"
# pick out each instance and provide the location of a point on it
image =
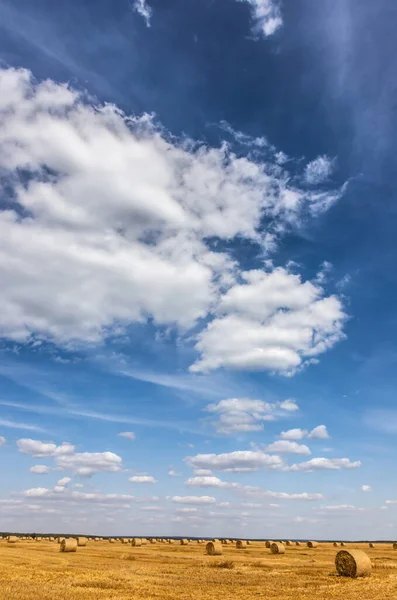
(366, 488)
(40, 469)
(86, 464)
(64, 481)
(319, 433)
(289, 405)
(267, 15)
(257, 492)
(129, 435)
(286, 446)
(202, 472)
(239, 415)
(193, 499)
(209, 482)
(294, 434)
(173, 473)
(271, 321)
(142, 479)
(114, 209)
(40, 449)
(319, 170)
(143, 8)
(2, 440)
(238, 461)
(37, 492)
(316, 464)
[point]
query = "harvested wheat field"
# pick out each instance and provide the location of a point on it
(31, 571)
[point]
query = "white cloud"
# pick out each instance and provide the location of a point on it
(316, 464)
(257, 492)
(267, 15)
(286, 446)
(193, 499)
(143, 8)
(2, 440)
(113, 209)
(289, 405)
(238, 461)
(142, 479)
(16, 424)
(209, 482)
(391, 501)
(173, 473)
(85, 464)
(319, 170)
(270, 321)
(37, 492)
(129, 435)
(366, 488)
(342, 508)
(40, 469)
(58, 489)
(186, 509)
(40, 449)
(294, 434)
(202, 472)
(241, 415)
(64, 481)
(319, 433)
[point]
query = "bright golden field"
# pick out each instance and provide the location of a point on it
(32, 570)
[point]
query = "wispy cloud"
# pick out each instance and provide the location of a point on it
(17, 425)
(143, 8)
(267, 15)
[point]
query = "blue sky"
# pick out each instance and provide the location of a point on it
(198, 267)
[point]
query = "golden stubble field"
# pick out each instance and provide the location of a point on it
(32, 570)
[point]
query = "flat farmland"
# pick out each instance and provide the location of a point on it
(32, 570)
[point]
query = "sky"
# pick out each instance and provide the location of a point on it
(198, 268)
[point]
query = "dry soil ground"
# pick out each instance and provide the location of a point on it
(37, 570)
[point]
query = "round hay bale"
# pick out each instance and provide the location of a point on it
(248, 542)
(297, 543)
(394, 546)
(312, 544)
(12, 539)
(136, 542)
(268, 543)
(111, 541)
(277, 548)
(241, 544)
(124, 540)
(288, 543)
(184, 542)
(144, 541)
(342, 544)
(81, 541)
(371, 545)
(68, 545)
(335, 544)
(353, 563)
(213, 549)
